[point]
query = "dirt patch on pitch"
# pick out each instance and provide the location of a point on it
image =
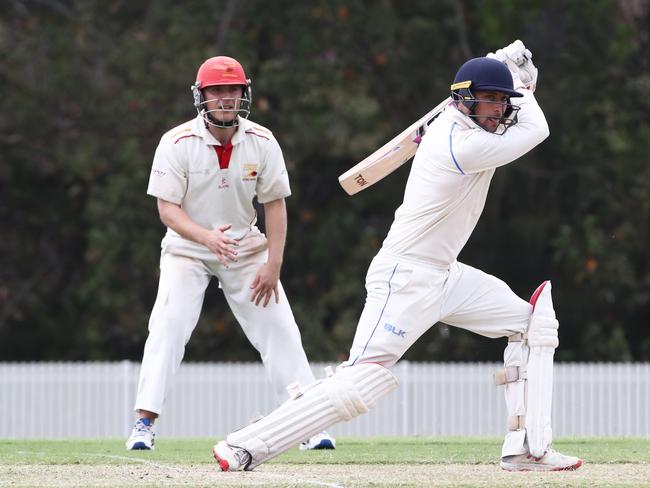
(321, 475)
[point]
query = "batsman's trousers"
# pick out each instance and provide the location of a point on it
(405, 298)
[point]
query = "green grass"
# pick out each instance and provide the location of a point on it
(356, 463)
(394, 450)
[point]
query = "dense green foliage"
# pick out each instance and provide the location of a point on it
(88, 87)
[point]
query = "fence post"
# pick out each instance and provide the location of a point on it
(127, 374)
(406, 385)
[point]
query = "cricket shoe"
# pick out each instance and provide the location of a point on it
(142, 436)
(550, 461)
(231, 458)
(319, 441)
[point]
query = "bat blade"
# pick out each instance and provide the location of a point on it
(390, 156)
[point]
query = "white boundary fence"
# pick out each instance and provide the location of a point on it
(91, 400)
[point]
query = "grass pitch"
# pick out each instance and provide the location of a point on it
(368, 462)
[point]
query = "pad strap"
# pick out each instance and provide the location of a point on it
(519, 337)
(516, 422)
(510, 374)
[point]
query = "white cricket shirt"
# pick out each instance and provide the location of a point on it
(186, 171)
(449, 181)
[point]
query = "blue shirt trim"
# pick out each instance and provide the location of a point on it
(451, 150)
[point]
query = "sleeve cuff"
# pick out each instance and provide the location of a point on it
(164, 196)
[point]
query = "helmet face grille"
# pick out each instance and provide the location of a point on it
(509, 118)
(239, 106)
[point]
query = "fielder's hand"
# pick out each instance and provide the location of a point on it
(265, 284)
(519, 60)
(220, 244)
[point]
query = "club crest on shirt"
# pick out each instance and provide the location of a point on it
(249, 172)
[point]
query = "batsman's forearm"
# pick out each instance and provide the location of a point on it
(276, 229)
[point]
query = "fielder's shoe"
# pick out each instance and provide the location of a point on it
(231, 458)
(550, 461)
(319, 441)
(142, 436)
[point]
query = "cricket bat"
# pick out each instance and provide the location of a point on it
(390, 156)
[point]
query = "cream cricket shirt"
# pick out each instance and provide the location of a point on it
(215, 185)
(450, 178)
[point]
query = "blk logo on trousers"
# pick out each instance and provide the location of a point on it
(391, 328)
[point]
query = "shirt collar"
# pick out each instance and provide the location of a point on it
(453, 114)
(198, 128)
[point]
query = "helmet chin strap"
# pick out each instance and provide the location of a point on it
(222, 125)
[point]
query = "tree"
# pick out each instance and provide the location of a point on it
(91, 86)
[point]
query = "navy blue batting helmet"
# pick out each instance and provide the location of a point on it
(485, 74)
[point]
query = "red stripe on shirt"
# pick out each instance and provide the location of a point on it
(182, 137)
(258, 135)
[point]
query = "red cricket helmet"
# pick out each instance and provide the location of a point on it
(221, 70)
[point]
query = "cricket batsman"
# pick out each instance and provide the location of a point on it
(416, 280)
(205, 175)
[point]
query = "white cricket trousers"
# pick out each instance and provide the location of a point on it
(405, 298)
(272, 330)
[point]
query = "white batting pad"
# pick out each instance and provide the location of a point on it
(542, 341)
(349, 392)
(514, 377)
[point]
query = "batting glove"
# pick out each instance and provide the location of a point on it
(519, 60)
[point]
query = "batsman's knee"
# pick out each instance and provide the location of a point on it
(542, 332)
(543, 328)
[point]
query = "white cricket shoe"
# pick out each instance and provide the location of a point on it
(142, 436)
(319, 441)
(550, 461)
(231, 458)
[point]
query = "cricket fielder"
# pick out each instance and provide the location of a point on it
(416, 281)
(205, 175)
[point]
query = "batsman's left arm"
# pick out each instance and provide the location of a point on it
(477, 150)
